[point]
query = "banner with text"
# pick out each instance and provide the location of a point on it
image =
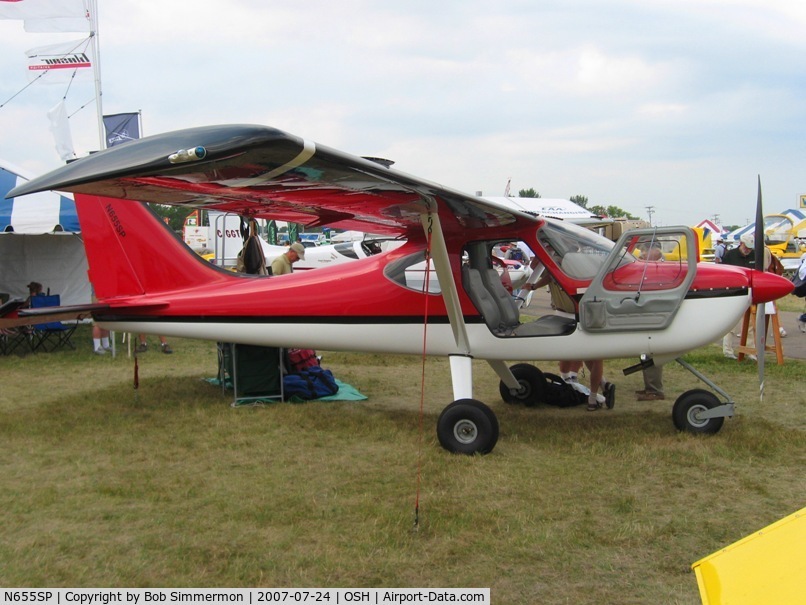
(60, 63)
(47, 16)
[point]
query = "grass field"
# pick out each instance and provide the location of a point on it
(105, 486)
(792, 303)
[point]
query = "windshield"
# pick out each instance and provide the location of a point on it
(578, 252)
(777, 229)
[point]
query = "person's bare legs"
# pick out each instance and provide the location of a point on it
(596, 368)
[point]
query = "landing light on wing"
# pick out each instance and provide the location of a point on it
(187, 155)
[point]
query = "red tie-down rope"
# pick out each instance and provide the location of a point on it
(427, 289)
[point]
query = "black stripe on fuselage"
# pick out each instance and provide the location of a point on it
(288, 319)
(716, 293)
(352, 320)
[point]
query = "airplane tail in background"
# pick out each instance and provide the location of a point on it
(131, 252)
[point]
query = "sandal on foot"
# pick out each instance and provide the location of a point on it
(610, 395)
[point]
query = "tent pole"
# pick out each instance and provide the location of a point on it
(96, 46)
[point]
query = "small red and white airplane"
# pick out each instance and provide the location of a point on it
(147, 281)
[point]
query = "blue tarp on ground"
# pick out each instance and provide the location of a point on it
(346, 392)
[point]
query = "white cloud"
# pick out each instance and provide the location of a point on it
(662, 110)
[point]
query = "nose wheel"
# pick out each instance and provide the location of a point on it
(693, 412)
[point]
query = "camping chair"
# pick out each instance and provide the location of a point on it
(13, 338)
(53, 334)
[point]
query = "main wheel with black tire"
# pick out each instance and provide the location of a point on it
(467, 426)
(532, 385)
(688, 407)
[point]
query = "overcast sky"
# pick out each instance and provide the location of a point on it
(678, 104)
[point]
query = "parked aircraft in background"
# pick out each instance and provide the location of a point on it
(147, 281)
(782, 237)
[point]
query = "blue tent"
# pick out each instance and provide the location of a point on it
(44, 212)
(40, 241)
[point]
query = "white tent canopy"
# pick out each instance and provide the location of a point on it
(40, 241)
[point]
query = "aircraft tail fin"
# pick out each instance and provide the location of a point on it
(131, 252)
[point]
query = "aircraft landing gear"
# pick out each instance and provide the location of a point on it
(692, 412)
(700, 411)
(467, 426)
(696, 411)
(532, 386)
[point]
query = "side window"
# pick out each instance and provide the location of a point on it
(346, 249)
(643, 281)
(649, 263)
(410, 273)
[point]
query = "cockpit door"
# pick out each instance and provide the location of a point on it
(643, 282)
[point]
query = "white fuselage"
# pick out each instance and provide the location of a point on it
(698, 322)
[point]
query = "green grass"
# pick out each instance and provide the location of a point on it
(168, 485)
(792, 303)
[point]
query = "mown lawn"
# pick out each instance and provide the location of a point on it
(167, 485)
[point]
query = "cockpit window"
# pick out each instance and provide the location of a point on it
(409, 272)
(578, 252)
(649, 262)
(346, 249)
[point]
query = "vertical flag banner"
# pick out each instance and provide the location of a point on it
(60, 63)
(293, 232)
(272, 232)
(121, 127)
(47, 16)
(60, 127)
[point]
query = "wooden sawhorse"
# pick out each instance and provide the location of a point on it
(750, 320)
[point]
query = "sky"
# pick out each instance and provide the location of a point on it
(670, 107)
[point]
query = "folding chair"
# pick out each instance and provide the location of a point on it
(12, 339)
(15, 338)
(54, 334)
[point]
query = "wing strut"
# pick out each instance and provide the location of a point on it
(442, 265)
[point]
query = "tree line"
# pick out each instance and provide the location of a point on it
(612, 211)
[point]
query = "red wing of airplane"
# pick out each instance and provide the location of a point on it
(438, 294)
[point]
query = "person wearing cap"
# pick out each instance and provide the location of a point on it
(720, 249)
(34, 289)
(283, 264)
(743, 255)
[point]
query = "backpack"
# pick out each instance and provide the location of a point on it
(301, 359)
(311, 383)
(800, 285)
(775, 265)
(560, 393)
